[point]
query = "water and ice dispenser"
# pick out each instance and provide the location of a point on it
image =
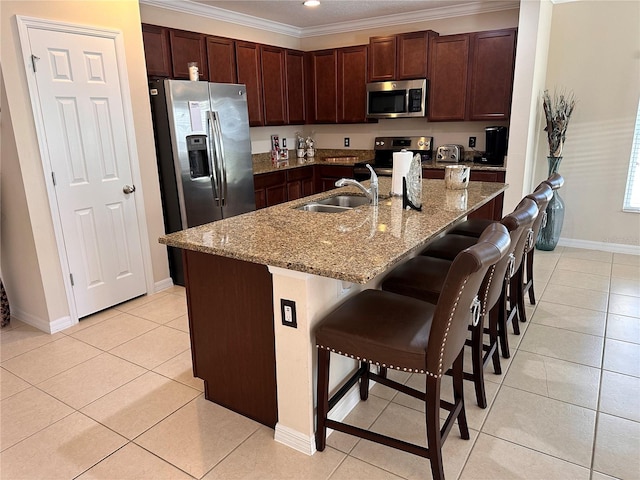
(198, 157)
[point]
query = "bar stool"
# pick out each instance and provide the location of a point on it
(403, 333)
(511, 306)
(554, 182)
(422, 277)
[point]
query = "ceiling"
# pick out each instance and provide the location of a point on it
(290, 16)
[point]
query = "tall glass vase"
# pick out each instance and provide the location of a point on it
(550, 232)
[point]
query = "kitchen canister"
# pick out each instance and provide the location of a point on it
(401, 164)
(456, 177)
(193, 71)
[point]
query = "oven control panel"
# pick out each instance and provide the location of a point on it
(395, 144)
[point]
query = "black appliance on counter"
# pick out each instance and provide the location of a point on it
(495, 147)
(385, 146)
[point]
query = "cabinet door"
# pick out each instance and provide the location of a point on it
(413, 49)
(156, 50)
(352, 84)
(448, 71)
(270, 189)
(295, 87)
(327, 175)
(382, 62)
(248, 63)
(324, 67)
(221, 56)
(273, 85)
(492, 57)
(187, 47)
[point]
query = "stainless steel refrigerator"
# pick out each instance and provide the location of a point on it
(204, 155)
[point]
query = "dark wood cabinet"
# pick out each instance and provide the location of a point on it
(413, 51)
(448, 70)
(324, 86)
(273, 85)
(300, 182)
(187, 47)
(249, 73)
(382, 61)
(492, 57)
(157, 52)
(352, 84)
(400, 57)
(221, 60)
(326, 176)
(295, 97)
(270, 188)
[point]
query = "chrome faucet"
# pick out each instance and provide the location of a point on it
(370, 193)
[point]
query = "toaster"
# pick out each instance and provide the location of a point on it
(450, 153)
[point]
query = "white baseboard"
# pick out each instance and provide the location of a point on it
(162, 285)
(307, 445)
(605, 247)
(41, 324)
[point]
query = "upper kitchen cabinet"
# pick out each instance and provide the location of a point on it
(221, 60)
(448, 70)
(382, 61)
(187, 47)
(249, 73)
(156, 50)
(413, 50)
(274, 85)
(492, 56)
(323, 95)
(294, 62)
(352, 86)
(399, 57)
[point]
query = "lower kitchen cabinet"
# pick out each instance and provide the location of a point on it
(270, 189)
(326, 176)
(278, 187)
(492, 209)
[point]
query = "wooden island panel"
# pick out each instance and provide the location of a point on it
(231, 327)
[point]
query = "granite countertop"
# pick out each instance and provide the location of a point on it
(355, 245)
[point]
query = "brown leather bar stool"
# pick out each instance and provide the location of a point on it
(422, 277)
(403, 333)
(511, 305)
(555, 182)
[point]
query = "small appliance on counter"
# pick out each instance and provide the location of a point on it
(496, 146)
(450, 153)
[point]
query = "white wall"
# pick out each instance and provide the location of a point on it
(594, 51)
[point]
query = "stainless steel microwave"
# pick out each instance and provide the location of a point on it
(405, 98)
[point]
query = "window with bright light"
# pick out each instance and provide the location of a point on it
(632, 193)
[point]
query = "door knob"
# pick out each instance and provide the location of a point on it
(129, 189)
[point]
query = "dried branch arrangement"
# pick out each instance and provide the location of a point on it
(557, 112)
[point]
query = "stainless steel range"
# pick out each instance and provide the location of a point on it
(384, 148)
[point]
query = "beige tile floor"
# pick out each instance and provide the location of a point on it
(114, 398)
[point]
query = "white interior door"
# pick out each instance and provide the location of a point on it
(85, 138)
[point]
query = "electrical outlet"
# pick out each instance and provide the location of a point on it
(346, 141)
(288, 310)
(472, 142)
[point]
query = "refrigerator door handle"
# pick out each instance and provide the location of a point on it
(217, 133)
(213, 160)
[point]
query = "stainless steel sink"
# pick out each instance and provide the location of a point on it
(337, 204)
(316, 207)
(350, 201)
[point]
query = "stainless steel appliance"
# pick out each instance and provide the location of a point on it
(407, 98)
(383, 149)
(450, 153)
(496, 146)
(204, 155)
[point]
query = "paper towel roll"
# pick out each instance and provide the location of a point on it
(401, 164)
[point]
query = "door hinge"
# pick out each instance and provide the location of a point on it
(53, 177)
(71, 277)
(34, 58)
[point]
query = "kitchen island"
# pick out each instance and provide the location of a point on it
(239, 270)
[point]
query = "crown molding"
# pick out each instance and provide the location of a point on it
(194, 8)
